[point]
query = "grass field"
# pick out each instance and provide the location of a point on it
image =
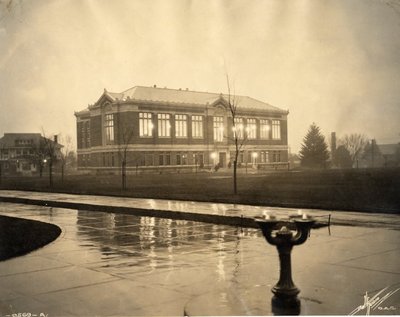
(21, 236)
(373, 190)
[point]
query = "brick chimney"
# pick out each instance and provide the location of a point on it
(333, 145)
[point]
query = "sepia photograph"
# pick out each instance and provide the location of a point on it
(199, 158)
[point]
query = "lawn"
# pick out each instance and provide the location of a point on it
(374, 190)
(21, 236)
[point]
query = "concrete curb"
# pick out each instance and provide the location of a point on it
(338, 217)
(179, 215)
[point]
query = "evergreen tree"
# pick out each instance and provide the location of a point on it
(314, 150)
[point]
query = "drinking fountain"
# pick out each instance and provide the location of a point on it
(284, 234)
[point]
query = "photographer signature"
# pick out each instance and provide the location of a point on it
(374, 302)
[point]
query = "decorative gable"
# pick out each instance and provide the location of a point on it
(105, 100)
(220, 103)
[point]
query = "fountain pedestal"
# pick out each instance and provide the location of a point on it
(284, 235)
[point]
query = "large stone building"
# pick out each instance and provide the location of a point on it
(169, 129)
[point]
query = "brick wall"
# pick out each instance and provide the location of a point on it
(79, 135)
(95, 131)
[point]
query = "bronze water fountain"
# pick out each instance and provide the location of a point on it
(284, 234)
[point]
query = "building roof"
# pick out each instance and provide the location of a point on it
(185, 96)
(388, 149)
(9, 139)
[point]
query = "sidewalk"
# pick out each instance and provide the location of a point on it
(107, 264)
(229, 214)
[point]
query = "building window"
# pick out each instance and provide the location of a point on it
(164, 125)
(145, 124)
(109, 126)
(181, 126)
(264, 157)
(181, 159)
(199, 159)
(251, 129)
(218, 129)
(264, 129)
(276, 129)
(238, 129)
(108, 159)
(83, 134)
(276, 156)
(87, 124)
(164, 159)
(241, 157)
(197, 126)
(184, 159)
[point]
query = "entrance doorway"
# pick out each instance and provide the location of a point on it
(222, 159)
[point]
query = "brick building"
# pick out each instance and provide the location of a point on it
(26, 153)
(170, 129)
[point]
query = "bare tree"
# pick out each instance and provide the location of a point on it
(51, 151)
(65, 153)
(39, 155)
(239, 133)
(71, 160)
(124, 139)
(394, 5)
(354, 143)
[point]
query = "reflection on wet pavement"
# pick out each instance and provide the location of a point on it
(130, 244)
(186, 257)
(116, 264)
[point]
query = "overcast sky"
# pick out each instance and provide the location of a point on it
(333, 62)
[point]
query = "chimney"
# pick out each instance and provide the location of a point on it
(55, 139)
(333, 145)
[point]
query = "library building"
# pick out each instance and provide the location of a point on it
(161, 129)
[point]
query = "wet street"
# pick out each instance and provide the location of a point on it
(114, 264)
